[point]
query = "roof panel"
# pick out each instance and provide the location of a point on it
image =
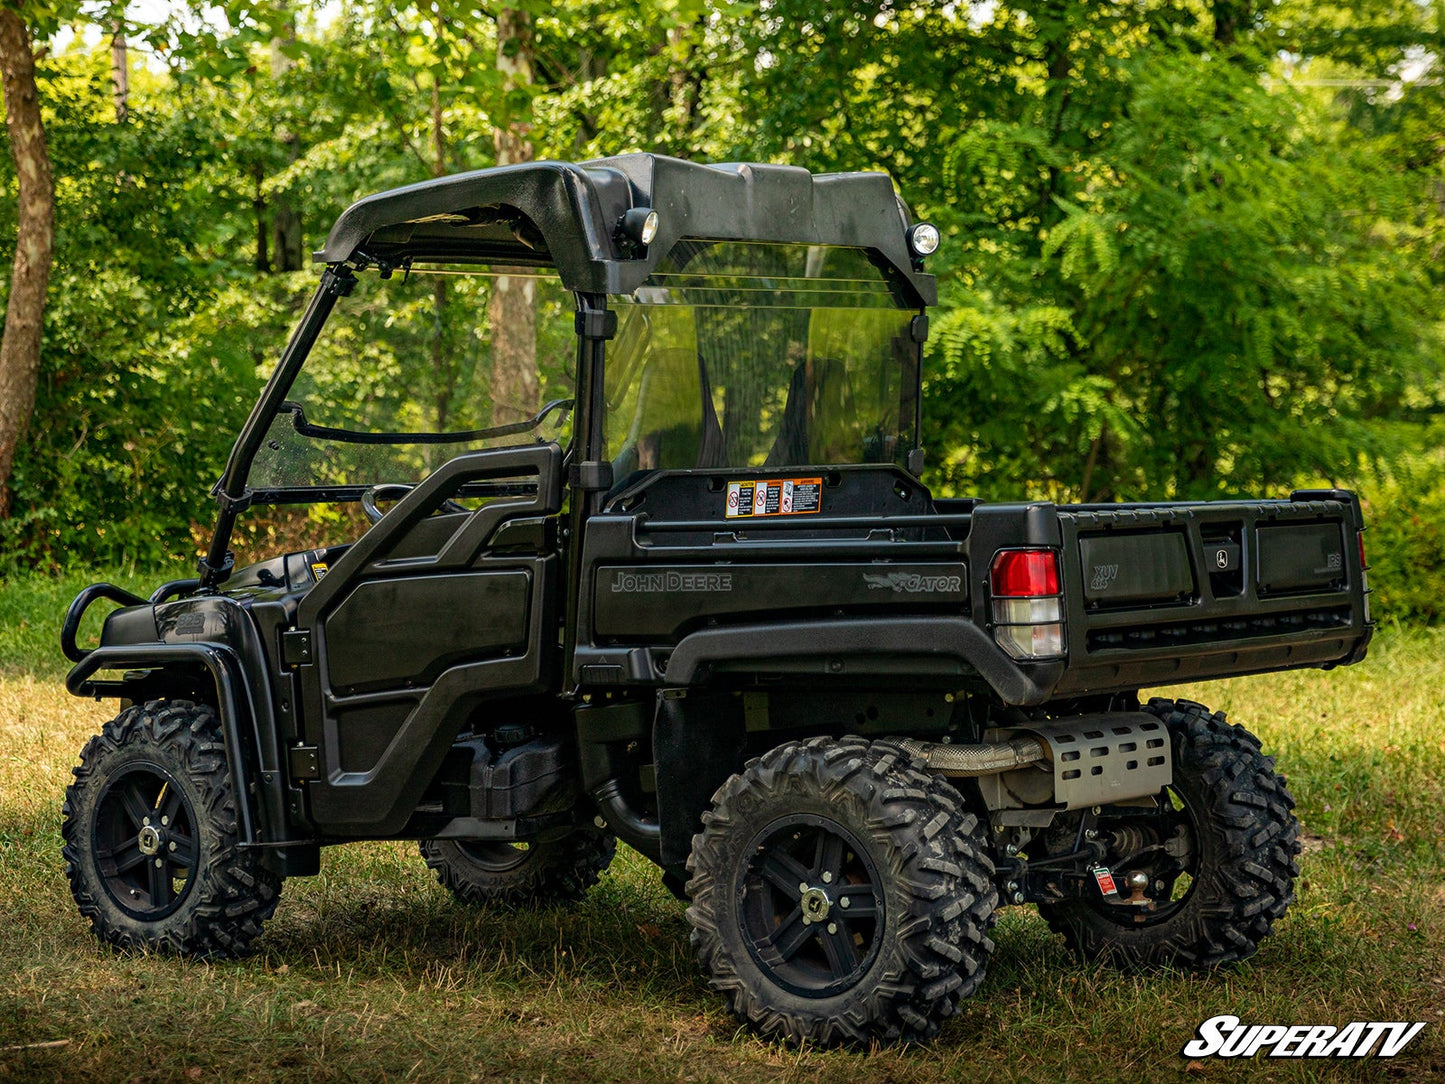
(563, 214)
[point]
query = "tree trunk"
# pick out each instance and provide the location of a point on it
(513, 308)
(34, 242)
(258, 205)
(287, 238)
(119, 64)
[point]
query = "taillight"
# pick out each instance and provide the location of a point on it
(1027, 611)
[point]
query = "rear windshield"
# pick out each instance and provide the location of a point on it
(737, 354)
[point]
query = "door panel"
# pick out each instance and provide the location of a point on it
(409, 629)
(407, 644)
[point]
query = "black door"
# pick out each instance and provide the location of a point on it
(430, 614)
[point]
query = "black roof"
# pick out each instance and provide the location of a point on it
(563, 215)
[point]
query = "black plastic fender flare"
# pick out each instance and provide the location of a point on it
(224, 666)
(856, 645)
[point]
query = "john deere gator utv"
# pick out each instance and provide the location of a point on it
(700, 602)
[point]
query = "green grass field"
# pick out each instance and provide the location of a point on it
(371, 972)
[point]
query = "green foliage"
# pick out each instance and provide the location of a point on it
(1178, 261)
(1405, 511)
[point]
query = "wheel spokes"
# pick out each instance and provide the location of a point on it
(127, 856)
(862, 903)
(184, 853)
(829, 856)
(136, 805)
(783, 872)
(791, 935)
(839, 948)
(169, 804)
(160, 883)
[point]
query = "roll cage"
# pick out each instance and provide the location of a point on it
(575, 219)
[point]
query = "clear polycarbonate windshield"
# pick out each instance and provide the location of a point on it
(738, 354)
(409, 373)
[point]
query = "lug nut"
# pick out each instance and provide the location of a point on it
(1018, 897)
(845, 903)
(827, 877)
(832, 927)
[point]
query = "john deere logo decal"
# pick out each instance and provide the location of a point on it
(912, 583)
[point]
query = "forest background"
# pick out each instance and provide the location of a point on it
(1191, 249)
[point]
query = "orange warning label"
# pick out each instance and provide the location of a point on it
(774, 497)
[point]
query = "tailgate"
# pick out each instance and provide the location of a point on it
(1157, 594)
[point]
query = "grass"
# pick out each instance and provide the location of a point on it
(370, 972)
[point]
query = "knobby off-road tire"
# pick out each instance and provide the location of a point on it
(480, 872)
(882, 861)
(151, 837)
(1240, 877)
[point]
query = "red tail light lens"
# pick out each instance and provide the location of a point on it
(1027, 610)
(1024, 574)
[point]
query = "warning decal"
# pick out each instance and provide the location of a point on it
(774, 497)
(1105, 880)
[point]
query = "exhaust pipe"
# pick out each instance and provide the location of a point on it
(989, 758)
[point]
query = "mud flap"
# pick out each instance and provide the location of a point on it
(697, 742)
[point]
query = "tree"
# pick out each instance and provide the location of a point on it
(34, 242)
(513, 307)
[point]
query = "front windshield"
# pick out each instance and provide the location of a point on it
(742, 354)
(411, 371)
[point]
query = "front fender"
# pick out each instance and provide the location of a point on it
(251, 752)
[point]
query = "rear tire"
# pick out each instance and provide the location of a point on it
(1217, 903)
(482, 872)
(839, 894)
(151, 840)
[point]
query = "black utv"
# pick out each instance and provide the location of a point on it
(699, 601)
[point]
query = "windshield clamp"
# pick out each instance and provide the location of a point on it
(596, 323)
(591, 476)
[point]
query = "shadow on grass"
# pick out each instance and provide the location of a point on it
(627, 934)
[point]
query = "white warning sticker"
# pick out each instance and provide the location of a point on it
(774, 497)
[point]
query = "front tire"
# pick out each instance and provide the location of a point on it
(840, 895)
(151, 840)
(1228, 819)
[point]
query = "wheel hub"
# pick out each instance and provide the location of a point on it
(150, 840)
(815, 904)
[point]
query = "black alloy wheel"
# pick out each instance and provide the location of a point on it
(145, 841)
(152, 842)
(839, 894)
(812, 909)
